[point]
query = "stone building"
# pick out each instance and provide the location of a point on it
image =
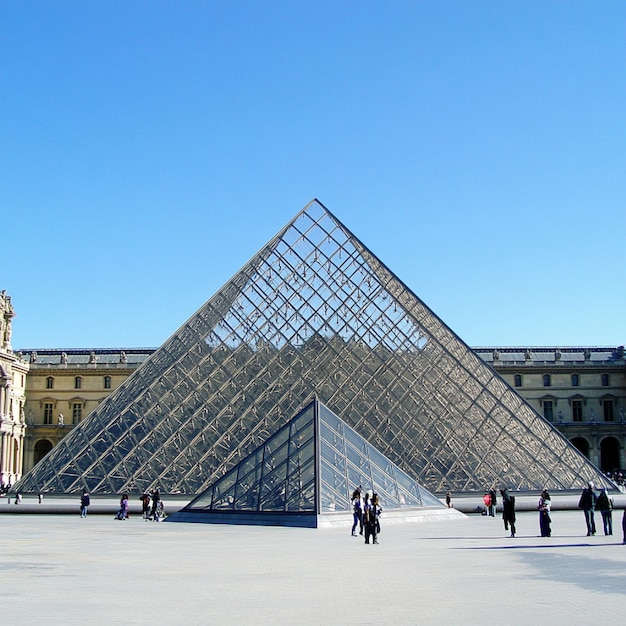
(314, 312)
(582, 392)
(63, 386)
(13, 373)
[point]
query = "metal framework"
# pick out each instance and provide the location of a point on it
(309, 467)
(314, 312)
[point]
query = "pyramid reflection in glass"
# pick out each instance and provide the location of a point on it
(309, 467)
(314, 312)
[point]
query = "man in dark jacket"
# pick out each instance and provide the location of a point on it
(587, 503)
(508, 510)
(84, 503)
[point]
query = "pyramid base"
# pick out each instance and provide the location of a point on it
(391, 517)
(298, 520)
(305, 520)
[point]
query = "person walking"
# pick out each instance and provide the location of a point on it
(156, 498)
(508, 510)
(487, 502)
(357, 511)
(84, 503)
(123, 512)
(587, 503)
(145, 505)
(545, 520)
(371, 513)
(604, 504)
(493, 502)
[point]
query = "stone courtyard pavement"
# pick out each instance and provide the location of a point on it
(60, 569)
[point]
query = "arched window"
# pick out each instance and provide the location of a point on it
(605, 380)
(517, 380)
(42, 447)
(575, 380)
(107, 382)
(609, 454)
(547, 381)
(78, 382)
(581, 444)
(50, 382)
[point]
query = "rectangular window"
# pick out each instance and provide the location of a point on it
(47, 413)
(78, 382)
(107, 382)
(577, 410)
(548, 410)
(607, 407)
(49, 382)
(77, 413)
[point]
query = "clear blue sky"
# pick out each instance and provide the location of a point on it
(149, 149)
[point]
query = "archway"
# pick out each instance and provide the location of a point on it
(609, 454)
(581, 444)
(42, 447)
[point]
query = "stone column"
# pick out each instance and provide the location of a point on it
(3, 456)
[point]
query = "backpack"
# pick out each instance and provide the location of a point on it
(586, 499)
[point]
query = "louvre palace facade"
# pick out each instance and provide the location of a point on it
(313, 314)
(583, 396)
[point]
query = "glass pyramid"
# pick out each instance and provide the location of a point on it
(314, 312)
(309, 467)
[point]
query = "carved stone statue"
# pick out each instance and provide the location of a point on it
(61, 421)
(123, 357)
(7, 313)
(92, 357)
(64, 358)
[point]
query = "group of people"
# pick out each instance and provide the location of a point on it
(508, 510)
(590, 501)
(366, 513)
(151, 506)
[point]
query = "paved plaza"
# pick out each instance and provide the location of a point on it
(60, 569)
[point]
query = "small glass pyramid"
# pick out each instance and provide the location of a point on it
(313, 313)
(308, 468)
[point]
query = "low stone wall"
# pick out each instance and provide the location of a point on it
(524, 501)
(470, 504)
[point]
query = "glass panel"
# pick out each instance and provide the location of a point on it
(314, 311)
